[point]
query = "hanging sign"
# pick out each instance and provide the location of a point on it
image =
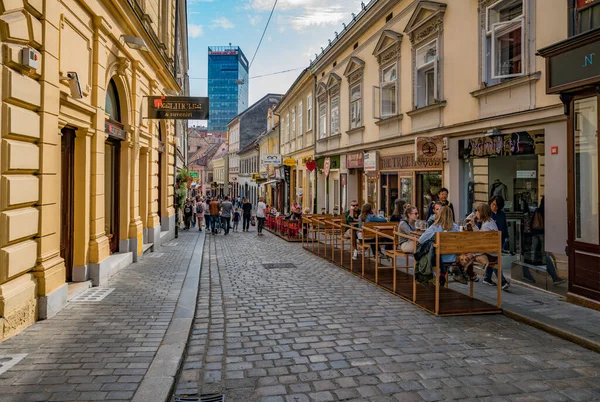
(311, 165)
(255, 176)
(428, 148)
(178, 107)
(326, 166)
(270, 159)
(289, 162)
(355, 160)
(370, 161)
(115, 131)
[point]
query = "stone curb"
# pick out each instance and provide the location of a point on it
(159, 380)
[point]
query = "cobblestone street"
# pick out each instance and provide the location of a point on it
(312, 332)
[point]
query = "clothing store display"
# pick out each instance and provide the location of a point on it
(499, 188)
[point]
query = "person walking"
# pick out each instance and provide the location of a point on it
(246, 215)
(207, 218)
(226, 212)
(236, 219)
(261, 209)
(199, 213)
(214, 215)
(188, 212)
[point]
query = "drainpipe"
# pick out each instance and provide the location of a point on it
(314, 121)
(572, 13)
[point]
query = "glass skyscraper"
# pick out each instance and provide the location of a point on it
(227, 85)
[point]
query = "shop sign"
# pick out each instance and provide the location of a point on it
(407, 161)
(355, 160)
(255, 176)
(194, 175)
(334, 162)
(526, 174)
(178, 107)
(519, 143)
(371, 160)
(115, 131)
(571, 66)
(326, 166)
(270, 159)
(428, 148)
(289, 162)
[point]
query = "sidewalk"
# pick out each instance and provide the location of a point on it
(126, 346)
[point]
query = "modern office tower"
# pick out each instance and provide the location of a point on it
(227, 85)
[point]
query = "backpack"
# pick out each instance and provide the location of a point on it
(199, 208)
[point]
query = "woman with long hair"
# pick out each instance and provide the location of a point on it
(407, 226)
(399, 209)
(483, 215)
(367, 215)
(443, 223)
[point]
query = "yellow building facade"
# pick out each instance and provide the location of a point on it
(86, 180)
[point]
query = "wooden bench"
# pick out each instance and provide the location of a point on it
(467, 243)
(398, 253)
(370, 236)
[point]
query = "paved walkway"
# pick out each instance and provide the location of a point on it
(308, 331)
(102, 350)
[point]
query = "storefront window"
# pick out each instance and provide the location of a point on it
(389, 187)
(586, 171)
(429, 185)
(372, 192)
(406, 192)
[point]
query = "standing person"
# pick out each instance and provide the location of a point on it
(407, 227)
(246, 214)
(207, 218)
(199, 213)
(351, 216)
(483, 214)
(188, 212)
(226, 212)
(496, 204)
(214, 214)
(193, 203)
(236, 220)
(261, 209)
(398, 211)
(443, 198)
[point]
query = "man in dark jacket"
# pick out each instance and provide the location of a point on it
(443, 198)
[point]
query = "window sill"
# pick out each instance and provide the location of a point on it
(426, 109)
(333, 136)
(389, 119)
(507, 84)
(323, 139)
(356, 130)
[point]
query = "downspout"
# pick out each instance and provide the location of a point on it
(572, 13)
(314, 121)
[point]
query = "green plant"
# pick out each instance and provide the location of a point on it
(183, 177)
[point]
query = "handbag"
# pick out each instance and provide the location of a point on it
(538, 221)
(253, 221)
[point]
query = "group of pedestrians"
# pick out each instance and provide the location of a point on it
(223, 213)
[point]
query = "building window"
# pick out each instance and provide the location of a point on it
(335, 115)
(111, 104)
(355, 106)
(504, 41)
(322, 120)
(293, 123)
(309, 113)
(300, 132)
(427, 68)
(389, 90)
(588, 18)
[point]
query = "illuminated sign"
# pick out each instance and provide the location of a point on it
(178, 107)
(224, 53)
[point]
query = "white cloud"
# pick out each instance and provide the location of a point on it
(195, 31)
(318, 16)
(199, 1)
(223, 22)
(255, 19)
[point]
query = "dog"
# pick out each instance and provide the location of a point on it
(464, 265)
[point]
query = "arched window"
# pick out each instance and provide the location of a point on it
(112, 106)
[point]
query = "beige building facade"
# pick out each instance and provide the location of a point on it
(414, 96)
(86, 180)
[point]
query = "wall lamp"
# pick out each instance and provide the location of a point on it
(135, 43)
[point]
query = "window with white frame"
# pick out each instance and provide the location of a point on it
(356, 106)
(293, 124)
(335, 114)
(322, 120)
(389, 90)
(309, 113)
(503, 40)
(427, 74)
(300, 132)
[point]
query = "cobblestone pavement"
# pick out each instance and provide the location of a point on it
(318, 333)
(100, 350)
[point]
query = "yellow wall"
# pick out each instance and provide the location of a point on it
(36, 105)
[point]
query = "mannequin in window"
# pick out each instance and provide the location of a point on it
(499, 188)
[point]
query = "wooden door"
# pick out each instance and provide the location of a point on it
(584, 198)
(111, 193)
(67, 184)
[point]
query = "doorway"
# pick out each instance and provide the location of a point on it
(111, 192)
(67, 167)
(428, 186)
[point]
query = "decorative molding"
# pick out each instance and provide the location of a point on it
(425, 109)
(354, 66)
(122, 65)
(356, 76)
(433, 29)
(483, 4)
(388, 46)
(389, 119)
(432, 25)
(355, 130)
(333, 80)
(507, 84)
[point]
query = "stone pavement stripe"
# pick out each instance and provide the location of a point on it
(158, 382)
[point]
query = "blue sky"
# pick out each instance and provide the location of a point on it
(297, 30)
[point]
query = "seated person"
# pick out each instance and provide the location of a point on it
(443, 223)
(368, 215)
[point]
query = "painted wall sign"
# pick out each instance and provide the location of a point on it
(355, 160)
(497, 145)
(178, 107)
(408, 162)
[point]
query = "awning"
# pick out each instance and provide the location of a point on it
(271, 182)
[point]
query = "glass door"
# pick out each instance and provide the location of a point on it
(389, 193)
(428, 186)
(584, 219)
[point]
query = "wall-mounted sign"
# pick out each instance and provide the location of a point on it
(428, 148)
(194, 175)
(519, 143)
(270, 159)
(355, 160)
(255, 176)
(115, 131)
(178, 107)
(326, 166)
(223, 53)
(371, 161)
(407, 161)
(289, 162)
(526, 174)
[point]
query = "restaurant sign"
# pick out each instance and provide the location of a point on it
(178, 107)
(429, 149)
(289, 162)
(355, 160)
(115, 131)
(519, 143)
(407, 161)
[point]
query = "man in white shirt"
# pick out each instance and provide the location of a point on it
(260, 214)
